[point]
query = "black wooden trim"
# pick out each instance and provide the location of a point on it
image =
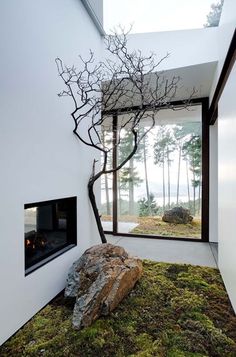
(213, 116)
(48, 202)
(173, 104)
(114, 176)
(205, 174)
(227, 67)
(205, 171)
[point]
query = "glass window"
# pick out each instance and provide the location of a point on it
(106, 208)
(50, 227)
(159, 190)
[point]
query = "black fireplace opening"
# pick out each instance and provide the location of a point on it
(50, 230)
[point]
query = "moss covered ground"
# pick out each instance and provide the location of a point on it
(155, 226)
(173, 311)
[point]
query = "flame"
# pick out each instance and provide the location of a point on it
(27, 242)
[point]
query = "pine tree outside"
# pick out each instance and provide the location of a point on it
(164, 173)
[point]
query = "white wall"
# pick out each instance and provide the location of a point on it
(224, 36)
(186, 47)
(97, 6)
(227, 186)
(40, 159)
(225, 32)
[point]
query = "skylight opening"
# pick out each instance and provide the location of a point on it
(157, 15)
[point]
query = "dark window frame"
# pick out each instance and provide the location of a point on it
(204, 102)
(71, 236)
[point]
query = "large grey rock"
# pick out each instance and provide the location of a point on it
(99, 280)
(177, 215)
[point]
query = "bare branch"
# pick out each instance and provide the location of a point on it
(126, 79)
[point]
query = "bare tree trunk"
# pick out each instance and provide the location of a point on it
(107, 196)
(119, 195)
(188, 183)
(199, 197)
(131, 187)
(146, 179)
(95, 210)
(163, 186)
(106, 180)
(90, 96)
(168, 172)
(180, 152)
(194, 195)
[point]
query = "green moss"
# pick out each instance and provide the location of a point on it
(190, 281)
(155, 226)
(177, 353)
(173, 311)
(187, 301)
(143, 342)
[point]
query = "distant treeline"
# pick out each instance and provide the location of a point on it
(141, 207)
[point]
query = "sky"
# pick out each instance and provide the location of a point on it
(155, 15)
(152, 16)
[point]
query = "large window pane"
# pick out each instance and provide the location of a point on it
(106, 202)
(106, 182)
(164, 174)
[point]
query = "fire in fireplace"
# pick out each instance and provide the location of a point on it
(50, 228)
(34, 241)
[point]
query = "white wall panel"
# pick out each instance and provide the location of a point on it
(224, 36)
(40, 159)
(186, 47)
(225, 32)
(227, 186)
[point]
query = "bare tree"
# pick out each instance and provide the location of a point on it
(126, 85)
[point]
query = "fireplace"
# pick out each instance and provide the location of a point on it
(50, 230)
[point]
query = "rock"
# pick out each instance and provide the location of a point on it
(99, 280)
(177, 215)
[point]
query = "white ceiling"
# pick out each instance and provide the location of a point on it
(198, 76)
(197, 79)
